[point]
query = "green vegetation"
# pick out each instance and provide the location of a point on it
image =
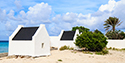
(66, 48)
(112, 22)
(99, 53)
(123, 49)
(97, 31)
(71, 48)
(87, 52)
(103, 52)
(93, 41)
(110, 48)
(59, 60)
(115, 34)
(81, 29)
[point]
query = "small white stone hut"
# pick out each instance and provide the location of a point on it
(32, 41)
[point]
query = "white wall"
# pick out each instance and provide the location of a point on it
(21, 48)
(68, 42)
(116, 43)
(54, 41)
(41, 36)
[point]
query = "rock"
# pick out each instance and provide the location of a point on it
(12, 56)
(21, 56)
(27, 57)
(53, 48)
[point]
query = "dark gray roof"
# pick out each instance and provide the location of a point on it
(25, 33)
(68, 35)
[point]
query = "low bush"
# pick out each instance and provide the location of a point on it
(99, 53)
(87, 52)
(105, 51)
(59, 60)
(110, 48)
(123, 48)
(71, 48)
(91, 40)
(66, 48)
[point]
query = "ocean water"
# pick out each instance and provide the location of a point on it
(4, 46)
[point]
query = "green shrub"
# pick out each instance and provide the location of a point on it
(66, 48)
(122, 33)
(113, 48)
(115, 34)
(59, 60)
(99, 53)
(87, 52)
(110, 48)
(81, 29)
(63, 47)
(105, 51)
(91, 40)
(97, 31)
(123, 48)
(71, 48)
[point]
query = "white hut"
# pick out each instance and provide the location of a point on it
(32, 41)
(65, 38)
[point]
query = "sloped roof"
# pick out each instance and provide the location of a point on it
(25, 33)
(68, 35)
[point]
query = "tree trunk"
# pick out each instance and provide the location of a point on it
(113, 28)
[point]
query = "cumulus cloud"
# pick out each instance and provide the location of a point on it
(110, 6)
(18, 5)
(41, 14)
(11, 15)
(69, 17)
(2, 15)
(37, 14)
(92, 20)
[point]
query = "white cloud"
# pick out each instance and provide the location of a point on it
(2, 15)
(22, 14)
(110, 6)
(57, 18)
(94, 20)
(11, 15)
(39, 12)
(69, 17)
(18, 4)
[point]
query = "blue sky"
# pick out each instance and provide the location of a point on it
(58, 15)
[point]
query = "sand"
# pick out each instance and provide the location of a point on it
(67, 56)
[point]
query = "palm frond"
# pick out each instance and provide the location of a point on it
(110, 22)
(119, 23)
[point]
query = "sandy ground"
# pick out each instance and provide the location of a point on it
(68, 56)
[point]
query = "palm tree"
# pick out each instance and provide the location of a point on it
(112, 22)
